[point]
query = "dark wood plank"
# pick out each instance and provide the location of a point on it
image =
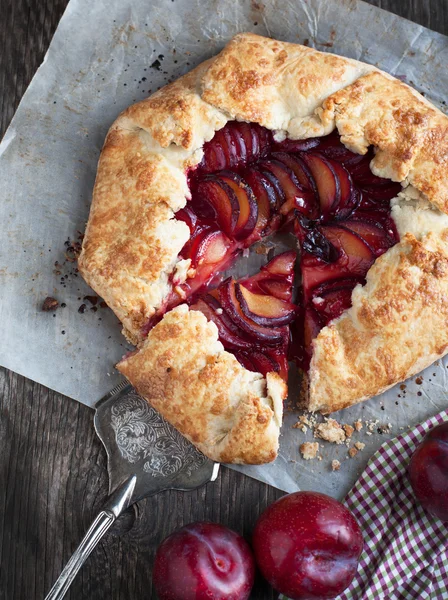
(52, 467)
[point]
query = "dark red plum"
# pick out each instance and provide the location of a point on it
(428, 472)
(204, 561)
(307, 545)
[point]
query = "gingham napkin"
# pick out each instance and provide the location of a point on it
(406, 550)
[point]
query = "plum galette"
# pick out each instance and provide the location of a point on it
(266, 137)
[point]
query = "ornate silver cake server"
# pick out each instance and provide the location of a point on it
(145, 455)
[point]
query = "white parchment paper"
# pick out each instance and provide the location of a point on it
(104, 56)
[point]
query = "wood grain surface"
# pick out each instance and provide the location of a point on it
(52, 467)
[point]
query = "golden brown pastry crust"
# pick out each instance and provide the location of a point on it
(397, 326)
(232, 415)
(132, 240)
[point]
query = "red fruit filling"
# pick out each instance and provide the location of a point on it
(248, 186)
(253, 323)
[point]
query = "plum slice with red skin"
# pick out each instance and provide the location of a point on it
(332, 304)
(373, 233)
(275, 278)
(214, 158)
(271, 362)
(362, 174)
(234, 145)
(282, 264)
(245, 132)
(266, 197)
(295, 196)
(333, 297)
(355, 259)
(288, 145)
(224, 140)
(276, 288)
(210, 252)
(188, 216)
(327, 183)
(263, 309)
(345, 185)
(248, 208)
(211, 248)
(263, 362)
(230, 341)
(240, 145)
(244, 359)
(212, 193)
(383, 219)
(382, 193)
(299, 168)
(280, 196)
(190, 248)
(350, 206)
(230, 303)
(279, 269)
(338, 152)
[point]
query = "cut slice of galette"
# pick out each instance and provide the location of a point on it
(224, 395)
(266, 137)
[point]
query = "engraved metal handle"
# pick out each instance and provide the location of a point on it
(119, 501)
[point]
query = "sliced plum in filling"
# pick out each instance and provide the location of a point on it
(249, 186)
(252, 315)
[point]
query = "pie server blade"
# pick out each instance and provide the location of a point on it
(145, 455)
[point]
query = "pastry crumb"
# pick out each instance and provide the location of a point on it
(330, 431)
(353, 452)
(309, 450)
(358, 425)
(49, 304)
(302, 424)
(335, 465)
(348, 430)
(370, 425)
(262, 249)
(360, 445)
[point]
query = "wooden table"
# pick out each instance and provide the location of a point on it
(52, 466)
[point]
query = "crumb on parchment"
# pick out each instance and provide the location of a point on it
(49, 304)
(348, 430)
(303, 423)
(309, 450)
(330, 431)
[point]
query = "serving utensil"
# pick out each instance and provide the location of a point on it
(145, 455)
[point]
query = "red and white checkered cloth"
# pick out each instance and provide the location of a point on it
(406, 550)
